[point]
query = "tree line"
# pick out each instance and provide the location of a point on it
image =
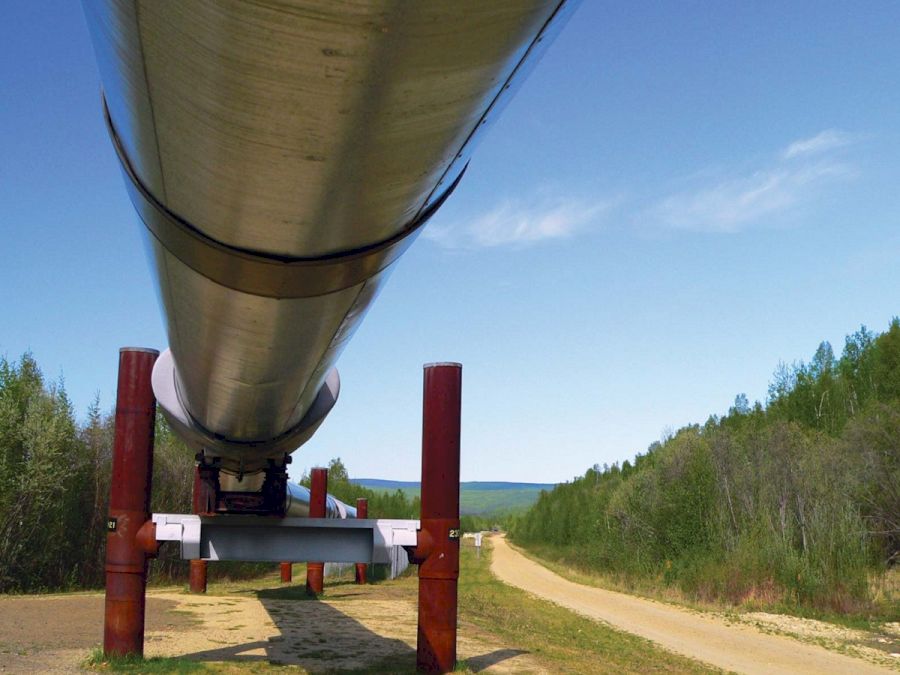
(54, 488)
(382, 503)
(795, 501)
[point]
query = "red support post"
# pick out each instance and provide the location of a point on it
(362, 511)
(198, 576)
(437, 550)
(315, 571)
(130, 537)
(199, 568)
(287, 572)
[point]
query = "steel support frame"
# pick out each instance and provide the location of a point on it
(255, 539)
(209, 497)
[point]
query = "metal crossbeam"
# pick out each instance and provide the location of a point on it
(262, 539)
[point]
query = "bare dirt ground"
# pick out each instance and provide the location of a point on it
(709, 638)
(54, 633)
(351, 628)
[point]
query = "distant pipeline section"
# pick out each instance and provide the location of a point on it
(298, 500)
(282, 156)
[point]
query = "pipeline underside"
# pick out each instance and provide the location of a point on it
(282, 155)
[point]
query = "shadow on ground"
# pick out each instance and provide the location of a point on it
(478, 663)
(319, 637)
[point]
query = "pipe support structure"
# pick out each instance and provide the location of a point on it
(362, 511)
(315, 571)
(437, 549)
(199, 568)
(198, 576)
(255, 539)
(129, 524)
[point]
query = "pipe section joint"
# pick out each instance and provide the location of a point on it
(257, 272)
(437, 549)
(126, 544)
(146, 539)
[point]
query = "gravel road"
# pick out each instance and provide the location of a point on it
(732, 647)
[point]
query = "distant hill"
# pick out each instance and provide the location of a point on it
(476, 497)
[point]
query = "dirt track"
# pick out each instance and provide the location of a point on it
(733, 647)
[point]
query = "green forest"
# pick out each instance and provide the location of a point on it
(482, 500)
(54, 488)
(796, 501)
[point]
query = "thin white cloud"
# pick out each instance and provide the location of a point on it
(734, 203)
(720, 201)
(518, 223)
(827, 140)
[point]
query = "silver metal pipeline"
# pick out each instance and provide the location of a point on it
(298, 499)
(282, 154)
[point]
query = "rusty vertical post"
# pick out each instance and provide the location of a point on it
(362, 511)
(315, 571)
(287, 570)
(198, 576)
(437, 551)
(129, 504)
(199, 568)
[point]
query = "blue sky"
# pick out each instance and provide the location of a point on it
(679, 197)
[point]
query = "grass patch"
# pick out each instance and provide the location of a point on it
(563, 640)
(99, 661)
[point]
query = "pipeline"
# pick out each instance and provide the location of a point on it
(298, 500)
(282, 156)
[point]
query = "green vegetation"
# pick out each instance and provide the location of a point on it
(54, 489)
(476, 498)
(136, 664)
(795, 504)
(54, 485)
(382, 503)
(497, 503)
(173, 665)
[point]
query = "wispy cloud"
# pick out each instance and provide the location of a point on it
(732, 203)
(520, 223)
(827, 140)
(762, 193)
